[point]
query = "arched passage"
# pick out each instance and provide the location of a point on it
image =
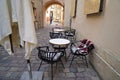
(48, 5)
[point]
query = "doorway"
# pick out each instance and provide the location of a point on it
(54, 15)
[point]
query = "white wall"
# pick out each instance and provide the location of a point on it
(103, 29)
(67, 10)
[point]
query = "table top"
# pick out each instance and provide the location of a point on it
(59, 41)
(59, 30)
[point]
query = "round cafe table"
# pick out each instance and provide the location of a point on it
(59, 30)
(59, 41)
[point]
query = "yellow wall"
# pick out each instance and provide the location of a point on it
(103, 29)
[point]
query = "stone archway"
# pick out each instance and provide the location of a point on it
(48, 3)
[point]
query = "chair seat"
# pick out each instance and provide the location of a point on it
(80, 50)
(55, 35)
(74, 49)
(69, 34)
(61, 48)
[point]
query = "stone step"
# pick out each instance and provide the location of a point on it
(36, 75)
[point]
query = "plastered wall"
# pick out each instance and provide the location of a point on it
(104, 31)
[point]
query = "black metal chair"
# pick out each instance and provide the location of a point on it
(61, 48)
(70, 34)
(55, 35)
(50, 57)
(53, 29)
(84, 48)
(57, 47)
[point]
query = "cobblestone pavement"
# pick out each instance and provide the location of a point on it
(12, 67)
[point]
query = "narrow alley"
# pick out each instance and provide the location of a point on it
(82, 37)
(12, 67)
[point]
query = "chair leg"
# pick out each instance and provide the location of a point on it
(83, 59)
(86, 61)
(40, 65)
(69, 55)
(64, 51)
(72, 60)
(65, 55)
(54, 49)
(51, 71)
(62, 63)
(56, 65)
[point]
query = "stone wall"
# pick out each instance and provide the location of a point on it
(103, 30)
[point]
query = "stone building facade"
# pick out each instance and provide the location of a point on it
(41, 7)
(103, 30)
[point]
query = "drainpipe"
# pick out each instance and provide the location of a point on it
(42, 17)
(70, 22)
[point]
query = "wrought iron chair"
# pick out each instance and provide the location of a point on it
(70, 34)
(56, 47)
(50, 57)
(62, 49)
(53, 29)
(84, 48)
(55, 35)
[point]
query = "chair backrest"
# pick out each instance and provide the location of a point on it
(42, 51)
(55, 35)
(53, 29)
(42, 54)
(70, 32)
(47, 56)
(90, 47)
(85, 43)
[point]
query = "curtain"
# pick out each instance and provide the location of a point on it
(26, 25)
(5, 25)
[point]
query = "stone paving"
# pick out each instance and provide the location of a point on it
(12, 67)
